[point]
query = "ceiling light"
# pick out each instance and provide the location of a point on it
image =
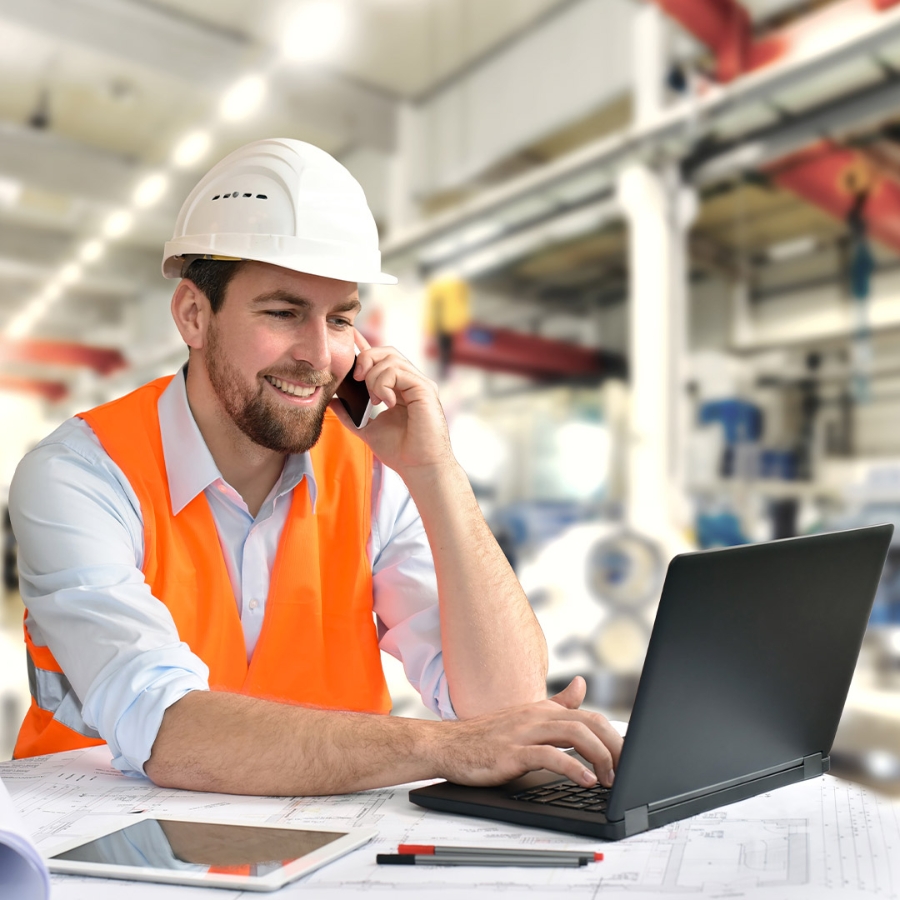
(243, 99)
(315, 31)
(52, 292)
(191, 149)
(69, 273)
(91, 251)
(10, 191)
(40, 305)
(118, 223)
(792, 248)
(150, 190)
(21, 326)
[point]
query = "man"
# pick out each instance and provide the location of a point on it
(229, 528)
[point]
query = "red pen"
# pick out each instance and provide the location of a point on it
(432, 850)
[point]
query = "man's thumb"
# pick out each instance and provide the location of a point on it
(572, 695)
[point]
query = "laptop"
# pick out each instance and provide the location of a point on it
(743, 685)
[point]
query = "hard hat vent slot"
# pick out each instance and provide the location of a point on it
(236, 194)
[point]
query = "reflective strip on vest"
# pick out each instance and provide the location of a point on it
(53, 692)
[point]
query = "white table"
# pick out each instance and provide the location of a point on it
(819, 839)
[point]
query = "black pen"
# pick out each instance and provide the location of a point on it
(473, 859)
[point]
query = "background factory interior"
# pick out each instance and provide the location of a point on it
(649, 250)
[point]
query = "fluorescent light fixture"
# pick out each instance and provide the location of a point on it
(21, 325)
(792, 248)
(40, 305)
(91, 251)
(480, 232)
(118, 223)
(69, 273)
(441, 249)
(150, 190)
(243, 99)
(315, 31)
(191, 149)
(10, 191)
(51, 293)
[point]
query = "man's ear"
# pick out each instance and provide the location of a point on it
(191, 312)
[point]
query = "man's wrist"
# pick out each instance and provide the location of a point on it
(427, 478)
(429, 747)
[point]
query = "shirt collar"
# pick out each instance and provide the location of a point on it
(190, 467)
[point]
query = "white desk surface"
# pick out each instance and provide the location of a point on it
(824, 838)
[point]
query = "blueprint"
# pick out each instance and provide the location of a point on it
(823, 838)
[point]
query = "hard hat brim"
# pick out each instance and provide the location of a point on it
(319, 262)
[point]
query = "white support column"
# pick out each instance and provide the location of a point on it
(404, 170)
(659, 211)
(742, 330)
(650, 54)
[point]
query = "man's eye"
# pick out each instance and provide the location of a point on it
(342, 323)
(280, 313)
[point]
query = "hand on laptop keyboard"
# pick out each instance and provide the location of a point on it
(498, 747)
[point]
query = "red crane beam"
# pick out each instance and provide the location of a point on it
(831, 177)
(515, 353)
(726, 28)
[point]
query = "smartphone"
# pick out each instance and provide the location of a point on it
(355, 397)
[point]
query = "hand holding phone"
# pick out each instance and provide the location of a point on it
(354, 395)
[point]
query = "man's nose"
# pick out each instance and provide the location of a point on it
(314, 346)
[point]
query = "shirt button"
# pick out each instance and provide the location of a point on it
(254, 604)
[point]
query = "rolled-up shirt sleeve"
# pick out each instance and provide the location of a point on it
(80, 537)
(405, 590)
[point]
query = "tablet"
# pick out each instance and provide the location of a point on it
(222, 854)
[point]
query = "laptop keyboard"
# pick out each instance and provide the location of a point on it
(568, 795)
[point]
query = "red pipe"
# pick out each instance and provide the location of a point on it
(49, 390)
(62, 353)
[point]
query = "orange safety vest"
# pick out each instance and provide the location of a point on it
(318, 645)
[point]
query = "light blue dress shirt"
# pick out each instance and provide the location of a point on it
(81, 546)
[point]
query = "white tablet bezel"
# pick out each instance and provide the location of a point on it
(350, 840)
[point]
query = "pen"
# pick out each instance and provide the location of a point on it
(431, 849)
(475, 859)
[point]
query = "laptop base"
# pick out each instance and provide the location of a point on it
(484, 802)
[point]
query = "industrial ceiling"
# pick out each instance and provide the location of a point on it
(97, 95)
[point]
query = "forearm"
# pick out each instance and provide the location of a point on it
(233, 744)
(494, 651)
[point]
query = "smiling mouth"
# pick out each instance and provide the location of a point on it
(295, 390)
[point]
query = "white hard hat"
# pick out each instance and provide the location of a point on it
(282, 202)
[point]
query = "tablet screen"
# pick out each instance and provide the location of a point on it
(201, 847)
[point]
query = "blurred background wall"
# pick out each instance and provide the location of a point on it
(648, 249)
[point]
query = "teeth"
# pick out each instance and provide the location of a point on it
(294, 389)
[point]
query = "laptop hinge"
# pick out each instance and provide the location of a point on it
(807, 763)
(636, 820)
(815, 765)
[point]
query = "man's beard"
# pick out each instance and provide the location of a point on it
(266, 422)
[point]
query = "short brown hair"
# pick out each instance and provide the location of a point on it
(212, 276)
